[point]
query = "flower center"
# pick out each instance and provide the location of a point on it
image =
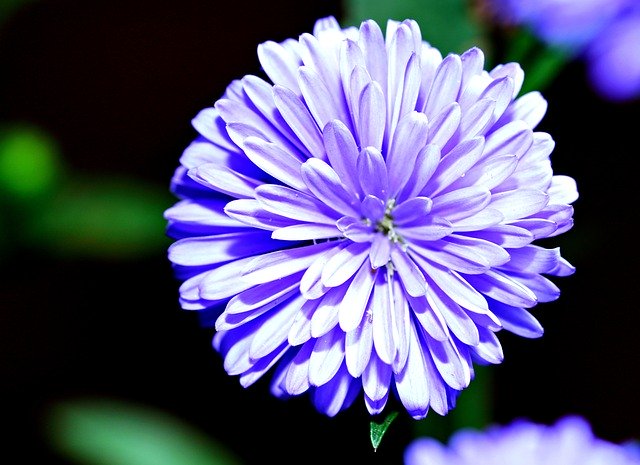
(386, 226)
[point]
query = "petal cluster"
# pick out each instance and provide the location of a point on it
(363, 222)
(605, 33)
(569, 441)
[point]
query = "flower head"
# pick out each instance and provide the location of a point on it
(569, 441)
(365, 223)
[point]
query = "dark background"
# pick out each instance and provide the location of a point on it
(116, 84)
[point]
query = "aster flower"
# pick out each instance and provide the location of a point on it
(569, 441)
(604, 33)
(365, 222)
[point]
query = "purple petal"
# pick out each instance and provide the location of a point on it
(202, 212)
(325, 184)
(563, 190)
(472, 64)
(344, 264)
(530, 108)
(373, 47)
(382, 314)
(409, 139)
(311, 284)
(543, 288)
(279, 64)
(320, 58)
(501, 287)
(412, 209)
(209, 124)
(276, 265)
(412, 383)
(358, 347)
(299, 119)
(337, 394)
(325, 317)
(454, 165)
(449, 363)
(294, 204)
(274, 329)
(260, 93)
(373, 208)
(317, 97)
(410, 275)
(372, 172)
(429, 317)
(275, 161)
(489, 350)
(425, 165)
(476, 119)
(455, 286)
(372, 116)
(222, 282)
(462, 203)
(444, 124)
(209, 250)
(489, 173)
(380, 252)
(446, 85)
(355, 229)
(342, 152)
(250, 212)
(455, 317)
(269, 294)
(356, 298)
(223, 179)
(517, 320)
(239, 112)
(533, 259)
(483, 219)
(296, 380)
(300, 330)
(326, 357)
(519, 203)
(306, 232)
(429, 228)
(376, 379)
(514, 138)
(505, 235)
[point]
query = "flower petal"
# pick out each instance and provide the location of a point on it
(325, 184)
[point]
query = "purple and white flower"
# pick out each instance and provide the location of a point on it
(570, 441)
(365, 222)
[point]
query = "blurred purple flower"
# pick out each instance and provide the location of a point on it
(606, 33)
(366, 222)
(569, 441)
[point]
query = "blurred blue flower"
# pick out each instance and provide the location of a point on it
(606, 33)
(570, 441)
(366, 222)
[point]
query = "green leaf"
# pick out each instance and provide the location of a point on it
(110, 432)
(378, 430)
(30, 164)
(103, 218)
(448, 25)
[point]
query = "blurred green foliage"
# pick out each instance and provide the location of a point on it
(449, 25)
(105, 431)
(48, 208)
(30, 163)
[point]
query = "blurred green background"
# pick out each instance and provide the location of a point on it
(100, 364)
